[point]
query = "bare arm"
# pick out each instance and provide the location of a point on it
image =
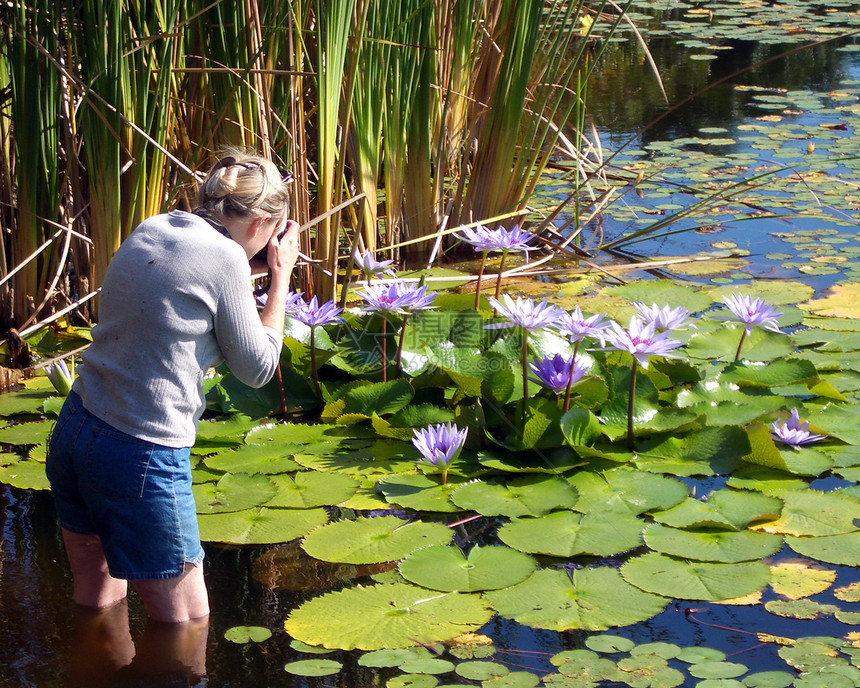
(282, 255)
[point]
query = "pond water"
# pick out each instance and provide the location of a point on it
(42, 640)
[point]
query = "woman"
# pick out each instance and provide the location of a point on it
(176, 299)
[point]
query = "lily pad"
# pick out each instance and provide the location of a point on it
(486, 568)
(252, 458)
(311, 488)
(712, 545)
(313, 667)
(675, 577)
(624, 490)
(593, 599)
(245, 634)
(526, 496)
(839, 301)
(834, 549)
(373, 540)
(419, 492)
(800, 609)
(725, 508)
(810, 512)
(259, 526)
(391, 615)
(568, 534)
(708, 451)
(25, 475)
(23, 434)
(799, 579)
(233, 492)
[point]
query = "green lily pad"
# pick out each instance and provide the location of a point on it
(568, 534)
(313, 667)
(834, 549)
(253, 458)
(708, 451)
(259, 526)
(648, 670)
(222, 433)
(717, 670)
(776, 373)
(608, 643)
(427, 665)
(391, 615)
(311, 488)
(582, 668)
(24, 401)
(681, 579)
(419, 492)
(765, 452)
(526, 496)
(662, 292)
(725, 508)
(412, 681)
(233, 492)
(515, 679)
(25, 475)
(810, 512)
(625, 490)
(373, 540)
(23, 434)
(697, 655)
(712, 545)
(245, 634)
(592, 599)
(769, 679)
(481, 671)
(721, 343)
(486, 568)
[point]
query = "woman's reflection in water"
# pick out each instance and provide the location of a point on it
(103, 655)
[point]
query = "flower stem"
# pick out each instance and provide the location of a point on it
(480, 275)
(631, 443)
(279, 377)
(566, 407)
(525, 365)
(501, 270)
(740, 344)
(314, 373)
(384, 350)
(399, 368)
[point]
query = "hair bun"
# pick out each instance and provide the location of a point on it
(223, 181)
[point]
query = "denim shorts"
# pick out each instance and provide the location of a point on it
(135, 495)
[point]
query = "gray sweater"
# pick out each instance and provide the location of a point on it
(176, 299)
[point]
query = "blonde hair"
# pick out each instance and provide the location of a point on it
(242, 184)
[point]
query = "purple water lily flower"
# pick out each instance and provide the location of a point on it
(793, 432)
(313, 314)
(665, 318)
(577, 327)
(558, 372)
(751, 312)
(479, 237)
(293, 303)
(60, 376)
(641, 340)
(397, 297)
(524, 313)
(370, 267)
(440, 445)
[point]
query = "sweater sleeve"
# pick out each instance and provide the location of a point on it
(250, 349)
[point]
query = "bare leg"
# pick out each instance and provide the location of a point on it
(101, 645)
(172, 648)
(93, 584)
(175, 600)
